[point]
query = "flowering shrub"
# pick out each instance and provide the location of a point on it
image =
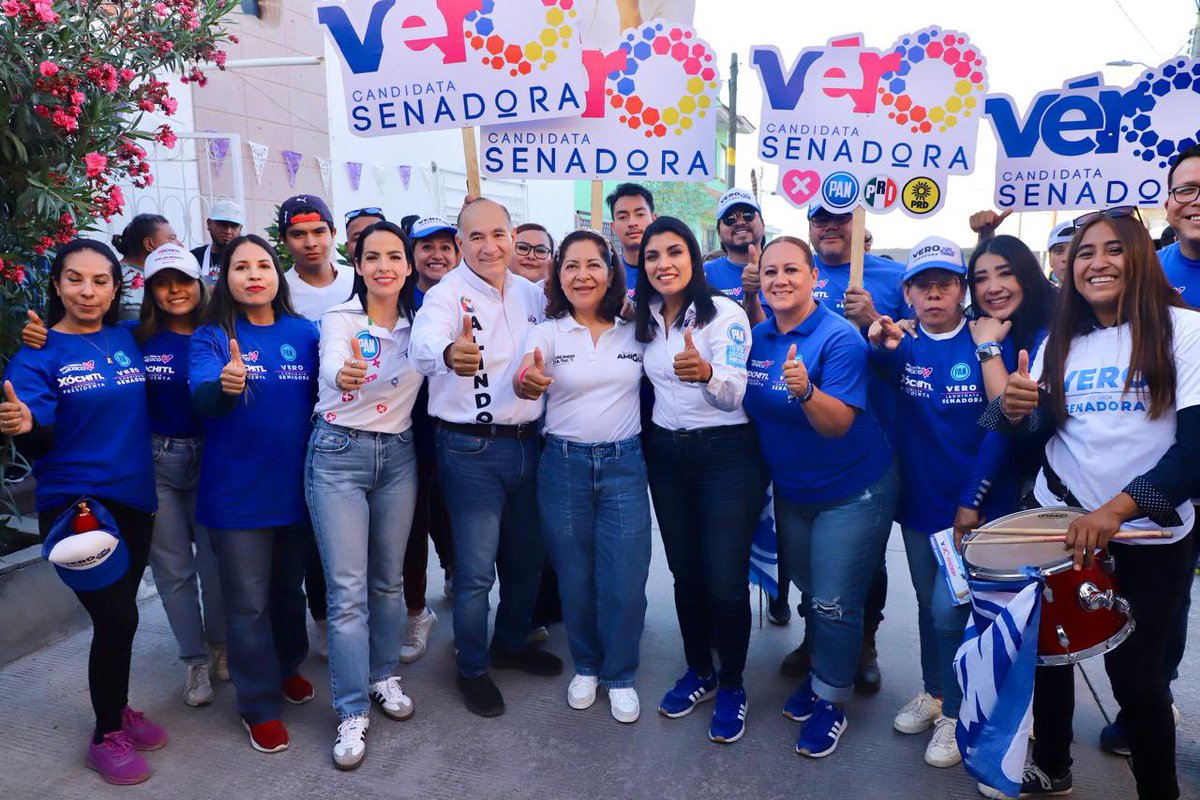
(76, 76)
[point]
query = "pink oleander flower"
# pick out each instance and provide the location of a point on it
(48, 69)
(11, 8)
(95, 162)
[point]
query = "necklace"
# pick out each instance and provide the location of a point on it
(103, 351)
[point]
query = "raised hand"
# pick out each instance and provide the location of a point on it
(1020, 395)
(15, 417)
(859, 307)
(751, 282)
(989, 329)
(794, 374)
(353, 373)
(233, 375)
(533, 381)
(464, 355)
(34, 334)
(690, 366)
(885, 334)
(985, 223)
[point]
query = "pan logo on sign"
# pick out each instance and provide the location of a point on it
(840, 190)
(921, 195)
(880, 192)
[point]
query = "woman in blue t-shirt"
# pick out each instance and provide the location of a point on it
(253, 367)
(835, 489)
(77, 408)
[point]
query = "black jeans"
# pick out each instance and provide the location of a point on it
(314, 578)
(431, 520)
(708, 487)
(1153, 578)
(114, 614)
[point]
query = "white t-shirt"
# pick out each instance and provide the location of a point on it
(1109, 438)
(500, 323)
(595, 396)
(384, 402)
(724, 343)
(311, 302)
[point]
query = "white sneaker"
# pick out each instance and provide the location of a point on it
(391, 698)
(918, 715)
(322, 638)
(942, 750)
(624, 704)
(992, 792)
(582, 691)
(220, 662)
(197, 690)
(417, 637)
(350, 747)
(1175, 713)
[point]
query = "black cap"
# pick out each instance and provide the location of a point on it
(299, 206)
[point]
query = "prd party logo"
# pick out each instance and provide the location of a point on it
(520, 57)
(953, 50)
(697, 82)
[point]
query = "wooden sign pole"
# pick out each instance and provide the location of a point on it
(598, 206)
(858, 239)
(471, 159)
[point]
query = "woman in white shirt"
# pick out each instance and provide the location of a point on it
(707, 477)
(591, 480)
(361, 482)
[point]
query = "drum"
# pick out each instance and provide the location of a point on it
(1082, 614)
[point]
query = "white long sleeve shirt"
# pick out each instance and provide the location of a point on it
(724, 343)
(500, 323)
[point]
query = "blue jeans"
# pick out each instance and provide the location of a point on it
(832, 553)
(182, 559)
(262, 571)
(361, 489)
(489, 488)
(707, 486)
(939, 621)
(596, 517)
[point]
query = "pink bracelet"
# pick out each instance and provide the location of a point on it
(521, 374)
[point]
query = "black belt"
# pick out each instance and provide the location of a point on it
(1058, 488)
(526, 430)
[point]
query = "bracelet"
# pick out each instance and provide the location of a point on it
(1011, 420)
(802, 398)
(521, 374)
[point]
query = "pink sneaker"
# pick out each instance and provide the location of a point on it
(116, 760)
(144, 733)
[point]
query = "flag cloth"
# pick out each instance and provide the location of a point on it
(995, 668)
(764, 552)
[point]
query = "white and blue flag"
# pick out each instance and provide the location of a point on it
(764, 552)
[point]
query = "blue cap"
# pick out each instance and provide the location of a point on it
(934, 252)
(736, 197)
(816, 207)
(428, 226)
(86, 561)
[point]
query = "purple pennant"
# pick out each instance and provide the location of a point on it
(291, 160)
(405, 175)
(218, 151)
(354, 173)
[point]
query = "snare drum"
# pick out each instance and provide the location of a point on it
(1082, 614)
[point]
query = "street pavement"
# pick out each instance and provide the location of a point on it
(540, 748)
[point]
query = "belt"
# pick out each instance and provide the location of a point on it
(1058, 488)
(526, 430)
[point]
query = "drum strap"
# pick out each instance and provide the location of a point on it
(1056, 485)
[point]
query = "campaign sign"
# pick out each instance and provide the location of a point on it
(850, 125)
(422, 65)
(1088, 145)
(651, 114)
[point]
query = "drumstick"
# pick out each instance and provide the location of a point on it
(1052, 538)
(1149, 534)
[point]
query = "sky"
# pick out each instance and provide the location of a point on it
(1030, 46)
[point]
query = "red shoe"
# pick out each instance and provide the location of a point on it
(267, 737)
(144, 733)
(297, 689)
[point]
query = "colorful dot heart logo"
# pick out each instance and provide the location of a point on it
(800, 186)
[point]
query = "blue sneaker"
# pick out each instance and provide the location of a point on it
(819, 736)
(1114, 738)
(729, 717)
(689, 690)
(800, 705)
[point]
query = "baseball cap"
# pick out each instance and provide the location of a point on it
(815, 208)
(934, 252)
(225, 210)
(736, 197)
(303, 208)
(1062, 234)
(171, 256)
(89, 560)
(428, 226)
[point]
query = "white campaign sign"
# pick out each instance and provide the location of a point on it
(850, 125)
(651, 115)
(421, 65)
(1088, 145)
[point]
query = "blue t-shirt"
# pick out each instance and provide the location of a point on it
(945, 456)
(166, 357)
(805, 466)
(631, 278)
(1182, 272)
(252, 472)
(726, 277)
(99, 413)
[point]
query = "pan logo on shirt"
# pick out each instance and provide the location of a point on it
(467, 304)
(960, 371)
(737, 334)
(122, 359)
(288, 352)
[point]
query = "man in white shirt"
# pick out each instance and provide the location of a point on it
(225, 221)
(468, 338)
(316, 283)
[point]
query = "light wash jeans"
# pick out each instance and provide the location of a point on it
(832, 553)
(182, 559)
(595, 511)
(362, 489)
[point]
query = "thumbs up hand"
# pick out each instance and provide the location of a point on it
(1020, 396)
(690, 366)
(985, 222)
(34, 334)
(463, 355)
(353, 373)
(15, 417)
(885, 334)
(233, 376)
(751, 280)
(794, 374)
(533, 381)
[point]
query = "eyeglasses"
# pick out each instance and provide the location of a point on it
(540, 252)
(1116, 212)
(748, 215)
(1185, 194)
(371, 211)
(830, 221)
(923, 283)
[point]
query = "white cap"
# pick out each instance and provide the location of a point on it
(1062, 234)
(736, 197)
(427, 226)
(225, 210)
(934, 252)
(172, 256)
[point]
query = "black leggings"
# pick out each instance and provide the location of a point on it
(114, 614)
(431, 520)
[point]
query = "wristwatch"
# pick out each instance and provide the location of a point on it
(987, 351)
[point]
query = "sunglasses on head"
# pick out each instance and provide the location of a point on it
(1116, 212)
(746, 215)
(370, 211)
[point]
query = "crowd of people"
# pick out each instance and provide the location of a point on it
(276, 443)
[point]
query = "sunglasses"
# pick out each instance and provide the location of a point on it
(830, 220)
(540, 252)
(371, 211)
(1116, 212)
(749, 215)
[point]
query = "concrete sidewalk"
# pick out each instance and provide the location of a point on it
(540, 748)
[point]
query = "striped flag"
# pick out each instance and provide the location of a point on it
(995, 667)
(764, 552)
